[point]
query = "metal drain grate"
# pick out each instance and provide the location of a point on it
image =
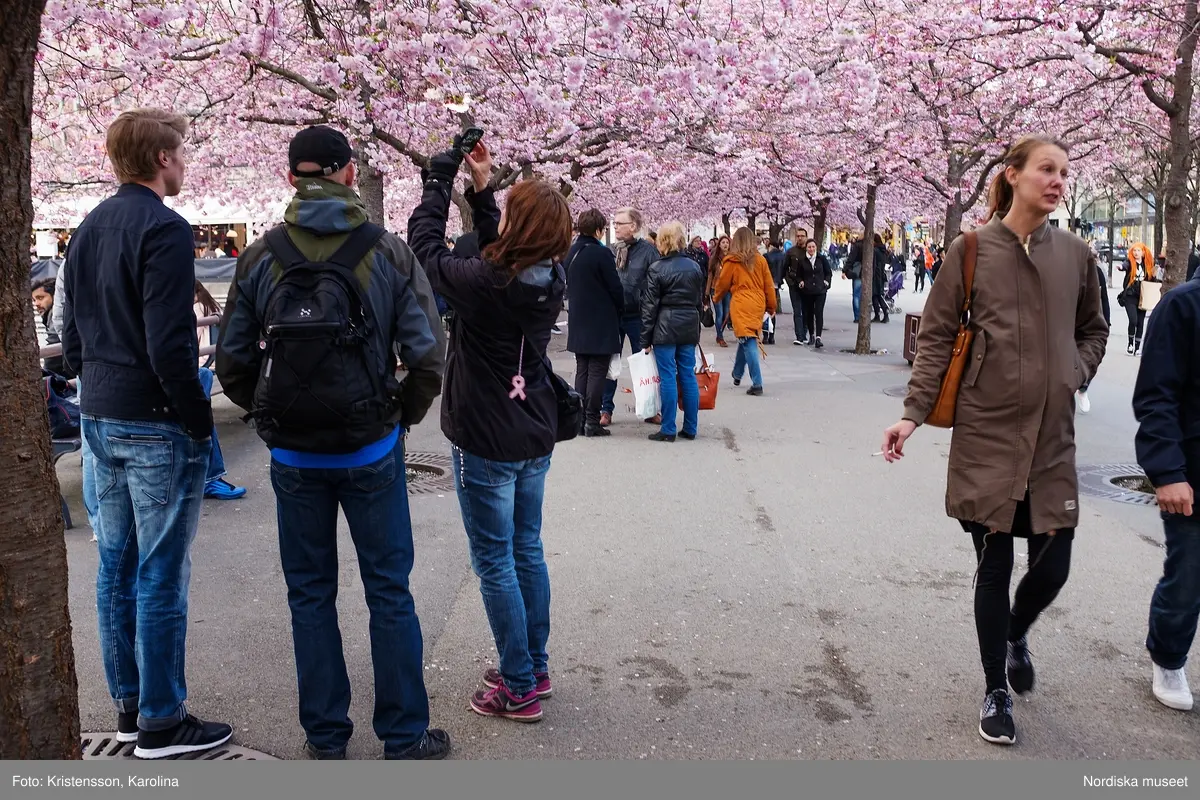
(897, 391)
(428, 473)
(1097, 481)
(105, 747)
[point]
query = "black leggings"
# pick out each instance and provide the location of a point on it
(920, 278)
(878, 303)
(996, 623)
(814, 313)
(1137, 320)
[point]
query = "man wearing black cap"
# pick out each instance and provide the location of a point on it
(318, 313)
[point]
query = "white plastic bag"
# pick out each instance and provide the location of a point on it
(768, 323)
(643, 370)
(614, 368)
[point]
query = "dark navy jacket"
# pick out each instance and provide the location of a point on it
(1166, 397)
(128, 326)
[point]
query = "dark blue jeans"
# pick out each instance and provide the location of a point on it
(501, 504)
(148, 478)
(1175, 606)
(677, 363)
(374, 499)
(721, 314)
(631, 328)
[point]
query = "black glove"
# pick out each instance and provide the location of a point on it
(442, 167)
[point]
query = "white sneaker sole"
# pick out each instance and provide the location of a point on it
(1177, 703)
(126, 737)
(178, 749)
(996, 739)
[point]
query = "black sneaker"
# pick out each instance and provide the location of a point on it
(127, 729)
(324, 755)
(661, 437)
(996, 723)
(691, 437)
(1020, 667)
(434, 746)
(737, 382)
(818, 345)
(755, 391)
(590, 431)
(189, 736)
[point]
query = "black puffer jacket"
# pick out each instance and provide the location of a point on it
(671, 307)
(633, 275)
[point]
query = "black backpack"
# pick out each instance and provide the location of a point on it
(320, 388)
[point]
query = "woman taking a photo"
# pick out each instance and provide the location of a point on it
(671, 326)
(1138, 267)
(720, 308)
(746, 278)
(815, 277)
(1038, 336)
(499, 407)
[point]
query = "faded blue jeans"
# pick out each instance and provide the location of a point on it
(1175, 605)
(374, 500)
(677, 365)
(856, 301)
(501, 504)
(747, 356)
(149, 483)
(721, 314)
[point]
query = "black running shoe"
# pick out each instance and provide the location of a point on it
(127, 729)
(189, 736)
(689, 436)
(592, 432)
(1020, 667)
(316, 754)
(755, 391)
(434, 746)
(996, 723)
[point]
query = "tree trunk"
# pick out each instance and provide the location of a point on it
(954, 218)
(464, 210)
(752, 221)
(370, 189)
(1175, 206)
(820, 221)
(1112, 233)
(863, 344)
(725, 224)
(39, 698)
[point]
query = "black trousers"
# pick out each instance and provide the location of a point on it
(878, 304)
(920, 282)
(1137, 320)
(590, 374)
(996, 621)
(814, 313)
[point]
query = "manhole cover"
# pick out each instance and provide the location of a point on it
(428, 473)
(105, 747)
(1121, 483)
(896, 391)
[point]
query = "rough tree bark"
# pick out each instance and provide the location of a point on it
(862, 345)
(820, 221)
(954, 218)
(39, 701)
(370, 189)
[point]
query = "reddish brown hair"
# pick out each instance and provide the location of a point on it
(537, 226)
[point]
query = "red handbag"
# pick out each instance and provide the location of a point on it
(707, 380)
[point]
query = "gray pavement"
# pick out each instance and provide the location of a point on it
(767, 591)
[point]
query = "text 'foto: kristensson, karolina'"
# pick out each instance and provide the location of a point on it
(88, 782)
(1110, 781)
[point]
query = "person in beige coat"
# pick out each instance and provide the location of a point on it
(1039, 336)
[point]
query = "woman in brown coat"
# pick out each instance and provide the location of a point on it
(721, 309)
(746, 278)
(1039, 335)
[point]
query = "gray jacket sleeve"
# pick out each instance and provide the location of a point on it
(56, 312)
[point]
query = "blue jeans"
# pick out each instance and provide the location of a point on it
(501, 504)
(149, 483)
(216, 462)
(631, 328)
(374, 499)
(677, 363)
(747, 355)
(857, 300)
(1175, 605)
(720, 313)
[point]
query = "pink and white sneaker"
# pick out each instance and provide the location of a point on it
(492, 678)
(499, 702)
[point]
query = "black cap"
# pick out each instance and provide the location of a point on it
(319, 145)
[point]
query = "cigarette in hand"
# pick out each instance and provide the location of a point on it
(877, 454)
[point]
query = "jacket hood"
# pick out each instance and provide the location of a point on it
(325, 207)
(536, 288)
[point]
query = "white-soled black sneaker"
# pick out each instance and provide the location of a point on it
(996, 723)
(127, 729)
(189, 736)
(1020, 666)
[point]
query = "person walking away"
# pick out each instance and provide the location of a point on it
(597, 301)
(671, 328)
(816, 276)
(1166, 399)
(881, 259)
(1011, 472)
(634, 256)
(1082, 401)
(746, 278)
(215, 485)
(777, 263)
(129, 331)
(720, 307)
(793, 271)
(501, 411)
(335, 301)
(1138, 267)
(853, 272)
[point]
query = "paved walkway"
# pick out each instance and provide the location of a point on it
(767, 591)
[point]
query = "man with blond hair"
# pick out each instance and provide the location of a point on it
(634, 256)
(130, 333)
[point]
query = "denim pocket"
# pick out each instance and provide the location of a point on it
(148, 461)
(286, 479)
(375, 477)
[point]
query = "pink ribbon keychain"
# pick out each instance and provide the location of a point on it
(518, 382)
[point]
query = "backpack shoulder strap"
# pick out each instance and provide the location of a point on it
(968, 267)
(360, 242)
(283, 248)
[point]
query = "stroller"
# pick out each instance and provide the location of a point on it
(895, 284)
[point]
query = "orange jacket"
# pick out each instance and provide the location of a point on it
(753, 294)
